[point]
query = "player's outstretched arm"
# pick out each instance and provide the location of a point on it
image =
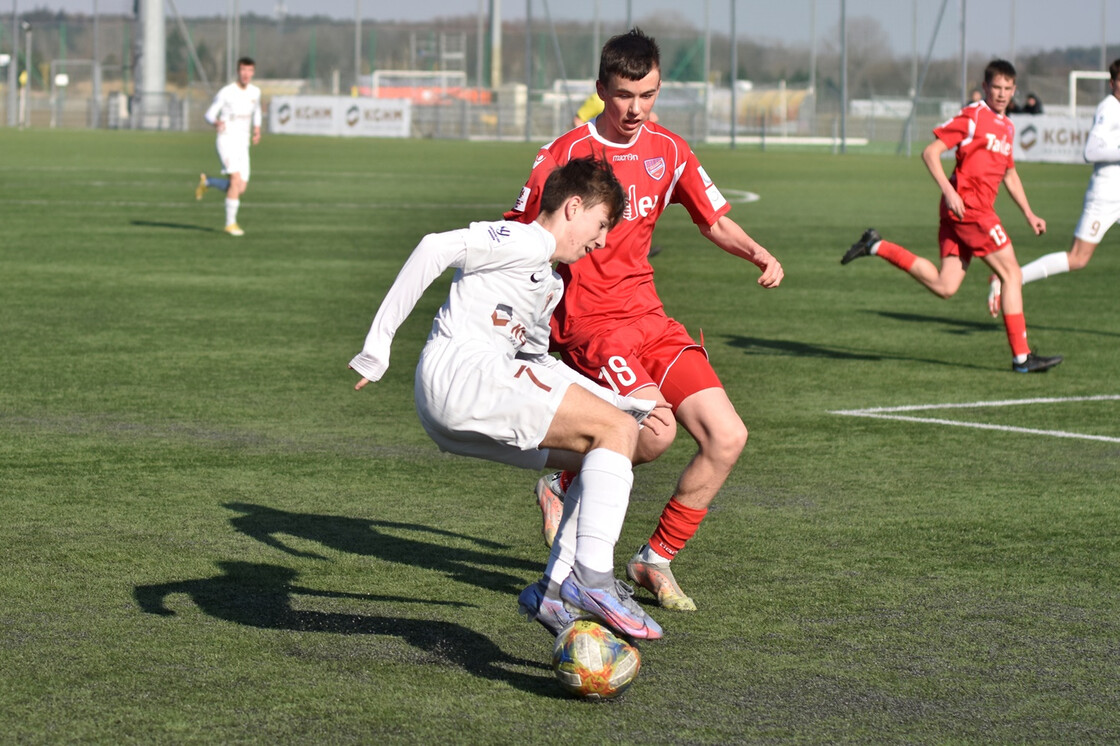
(729, 236)
(1018, 195)
(435, 253)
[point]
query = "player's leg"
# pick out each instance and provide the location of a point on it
(1056, 263)
(720, 435)
(608, 357)
(584, 569)
(233, 203)
(942, 281)
(1006, 267)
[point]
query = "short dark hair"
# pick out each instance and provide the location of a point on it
(246, 61)
(588, 178)
(1114, 69)
(999, 67)
(630, 56)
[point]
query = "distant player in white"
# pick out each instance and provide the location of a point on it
(236, 115)
(1102, 197)
(486, 386)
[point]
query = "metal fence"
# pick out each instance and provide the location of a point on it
(533, 102)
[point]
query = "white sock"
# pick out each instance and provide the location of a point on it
(1044, 266)
(607, 477)
(563, 555)
(874, 250)
(647, 554)
(231, 210)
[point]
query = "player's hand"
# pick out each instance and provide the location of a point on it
(360, 384)
(772, 272)
(955, 204)
(660, 419)
(257, 137)
(220, 125)
(1037, 224)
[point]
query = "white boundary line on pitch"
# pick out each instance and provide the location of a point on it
(740, 196)
(889, 413)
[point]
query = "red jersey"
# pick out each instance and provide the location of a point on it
(983, 141)
(615, 283)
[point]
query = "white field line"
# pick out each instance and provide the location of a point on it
(740, 196)
(891, 413)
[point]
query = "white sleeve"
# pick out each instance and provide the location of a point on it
(1103, 143)
(211, 114)
(257, 111)
(435, 253)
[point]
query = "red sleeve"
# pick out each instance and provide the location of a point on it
(528, 204)
(955, 130)
(699, 195)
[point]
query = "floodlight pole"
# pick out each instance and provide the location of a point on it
(734, 74)
(528, 70)
(357, 44)
(26, 89)
(13, 69)
(964, 54)
(95, 110)
(843, 76)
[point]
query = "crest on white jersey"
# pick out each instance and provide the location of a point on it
(655, 167)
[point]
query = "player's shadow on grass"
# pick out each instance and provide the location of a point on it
(790, 348)
(369, 538)
(176, 226)
(260, 595)
(968, 327)
(954, 326)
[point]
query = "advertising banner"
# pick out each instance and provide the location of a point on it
(1050, 138)
(339, 116)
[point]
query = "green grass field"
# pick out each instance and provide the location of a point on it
(207, 536)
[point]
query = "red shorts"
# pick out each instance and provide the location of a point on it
(976, 236)
(653, 350)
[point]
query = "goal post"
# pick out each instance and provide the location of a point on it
(1076, 75)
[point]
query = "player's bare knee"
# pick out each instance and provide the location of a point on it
(725, 443)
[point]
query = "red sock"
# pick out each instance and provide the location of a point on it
(678, 524)
(896, 255)
(1016, 325)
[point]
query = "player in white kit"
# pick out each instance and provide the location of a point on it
(236, 114)
(1101, 209)
(486, 386)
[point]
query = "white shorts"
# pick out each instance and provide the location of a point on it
(234, 156)
(478, 402)
(1098, 213)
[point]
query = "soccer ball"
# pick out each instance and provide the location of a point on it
(592, 663)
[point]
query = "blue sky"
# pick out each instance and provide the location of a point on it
(993, 27)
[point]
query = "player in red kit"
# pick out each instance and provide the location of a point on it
(611, 324)
(982, 135)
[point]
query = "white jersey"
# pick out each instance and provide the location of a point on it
(1102, 148)
(240, 109)
(501, 298)
(485, 385)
